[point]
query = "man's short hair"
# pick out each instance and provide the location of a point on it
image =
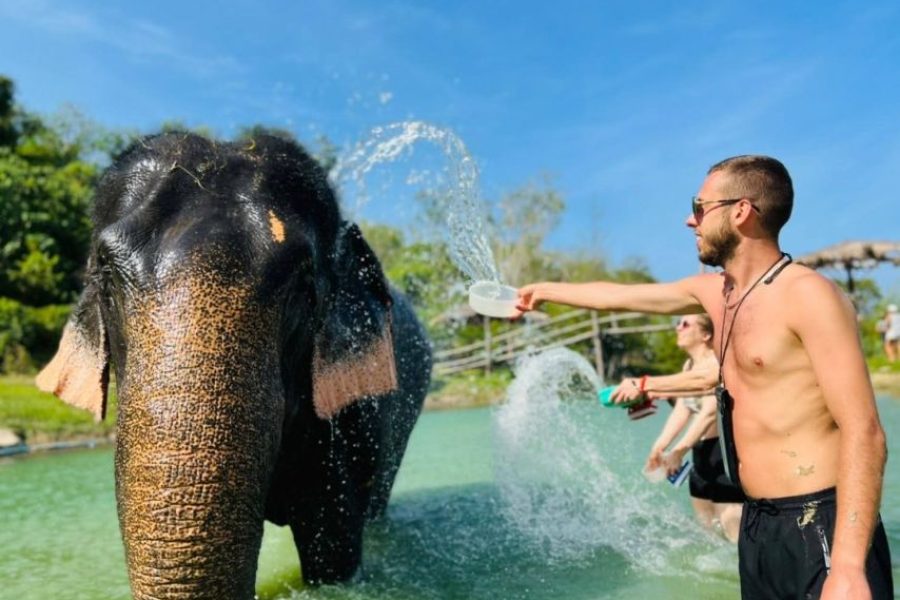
(766, 182)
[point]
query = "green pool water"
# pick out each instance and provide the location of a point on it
(482, 508)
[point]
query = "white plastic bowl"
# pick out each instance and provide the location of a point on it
(656, 475)
(492, 299)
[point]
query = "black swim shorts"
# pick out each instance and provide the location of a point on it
(784, 549)
(708, 479)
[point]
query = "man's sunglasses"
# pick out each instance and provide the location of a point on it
(699, 212)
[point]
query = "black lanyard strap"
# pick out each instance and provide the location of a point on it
(769, 276)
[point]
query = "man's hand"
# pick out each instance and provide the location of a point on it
(529, 299)
(845, 583)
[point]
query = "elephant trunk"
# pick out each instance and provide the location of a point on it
(200, 415)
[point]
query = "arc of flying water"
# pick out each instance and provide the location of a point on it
(468, 244)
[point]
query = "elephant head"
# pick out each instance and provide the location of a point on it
(264, 367)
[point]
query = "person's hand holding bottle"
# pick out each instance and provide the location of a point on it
(654, 459)
(628, 391)
(673, 459)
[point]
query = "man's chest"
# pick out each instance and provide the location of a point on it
(756, 341)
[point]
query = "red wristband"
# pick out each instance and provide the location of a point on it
(643, 383)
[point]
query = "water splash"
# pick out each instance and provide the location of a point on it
(468, 244)
(555, 476)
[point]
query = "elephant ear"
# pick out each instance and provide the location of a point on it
(79, 372)
(354, 350)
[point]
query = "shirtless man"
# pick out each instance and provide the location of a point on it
(804, 417)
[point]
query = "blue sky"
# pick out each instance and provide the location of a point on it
(624, 104)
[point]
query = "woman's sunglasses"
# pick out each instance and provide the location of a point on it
(699, 212)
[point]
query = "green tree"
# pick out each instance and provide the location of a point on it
(870, 306)
(866, 294)
(247, 133)
(8, 132)
(47, 170)
(179, 126)
(422, 271)
(522, 219)
(325, 151)
(44, 225)
(517, 226)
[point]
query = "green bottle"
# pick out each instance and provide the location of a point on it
(638, 408)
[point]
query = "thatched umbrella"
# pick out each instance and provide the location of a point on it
(853, 255)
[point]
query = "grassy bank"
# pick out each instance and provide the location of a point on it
(466, 390)
(885, 376)
(39, 417)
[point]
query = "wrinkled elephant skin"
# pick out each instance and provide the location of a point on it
(265, 369)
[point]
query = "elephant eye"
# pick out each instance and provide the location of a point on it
(103, 261)
(101, 270)
(112, 272)
(115, 259)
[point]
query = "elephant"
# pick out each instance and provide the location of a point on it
(265, 369)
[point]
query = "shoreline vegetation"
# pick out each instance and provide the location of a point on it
(33, 421)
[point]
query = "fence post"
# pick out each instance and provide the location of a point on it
(598, 343)
(487, 345)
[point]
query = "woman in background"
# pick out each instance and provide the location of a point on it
(716, 501)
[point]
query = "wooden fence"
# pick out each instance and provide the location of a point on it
(562, 330)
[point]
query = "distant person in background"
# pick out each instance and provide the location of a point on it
(891, 326)
(716, 501)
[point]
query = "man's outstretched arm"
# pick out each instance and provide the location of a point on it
(678, 297)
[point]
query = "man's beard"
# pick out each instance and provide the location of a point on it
(720, 246)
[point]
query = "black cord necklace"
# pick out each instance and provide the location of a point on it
(768, 278)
